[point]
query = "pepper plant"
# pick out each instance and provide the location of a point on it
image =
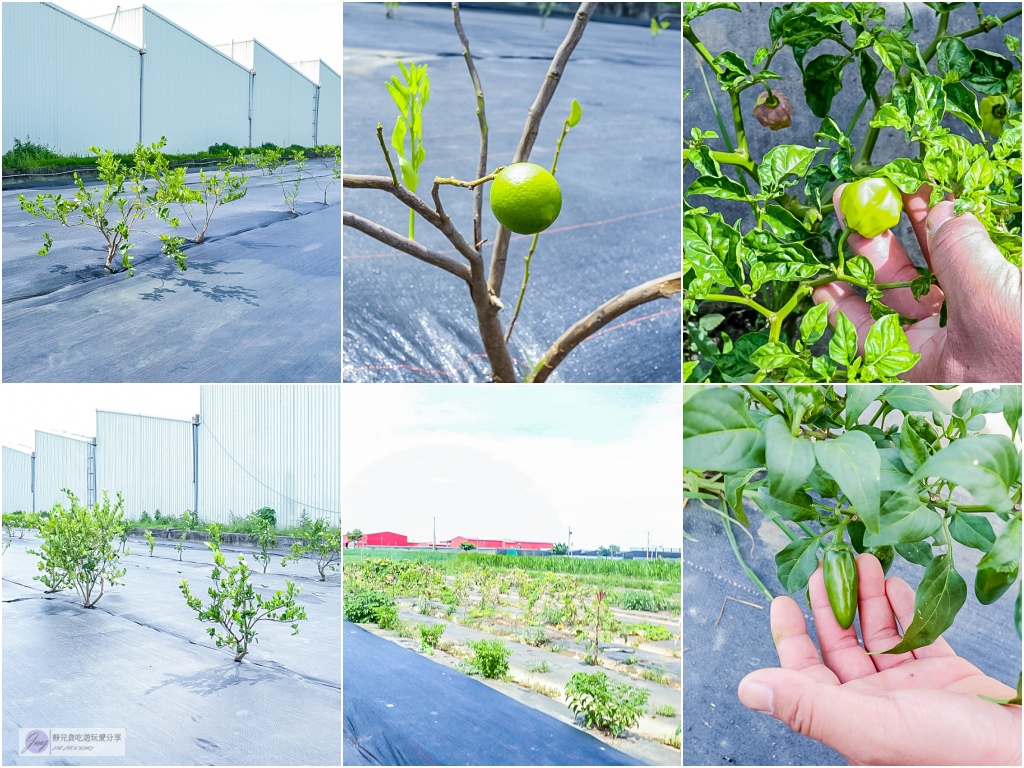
(764, 266)
(889, 470)
(484, 281)
(129, 193)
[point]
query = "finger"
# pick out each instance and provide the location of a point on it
(929, 339)
(795, 648)
(916, 206)
(901, 598)
(846, 721)
(839, 647)
(893, 265)
(877, 622)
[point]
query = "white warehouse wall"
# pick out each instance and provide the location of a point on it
(283, 101)
(328, 128)
(67, 83)
(17, 481)
(270, 446)
(62, 461)
(149, 460)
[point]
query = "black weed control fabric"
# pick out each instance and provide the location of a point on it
(726, 639)
(140, 660)
(403, 709)
(259, 302)
(619, 171)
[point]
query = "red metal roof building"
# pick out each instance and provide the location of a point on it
(390, 539)
(499, 543)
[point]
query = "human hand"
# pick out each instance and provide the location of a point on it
(982, 337)
(919, 708)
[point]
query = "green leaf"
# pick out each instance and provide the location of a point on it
(575, 113)
(887, 349)
(789, 459)
(718, 433)
(913, 398)
(918, 553)
(1010, 396)
(721, 187)
(785, 160)
(904, 520)
(796, 562)
(843, 345)
(941, 594)
(954, 58)
(984, 465)
(858, 398)
(711, 246)
(853, 462)
(973, 531)
(814, 323)
(998, 569)
(798, 508)
(774, 354)
(823, 79)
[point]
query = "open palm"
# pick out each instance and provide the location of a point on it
(919, 708)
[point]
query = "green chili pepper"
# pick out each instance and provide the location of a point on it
(841, 582)
(886, 555)
(994, 112)
(871, 206)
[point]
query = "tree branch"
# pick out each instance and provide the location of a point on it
(404, 244)
(500, 251)
(659, 288)
(481, 166)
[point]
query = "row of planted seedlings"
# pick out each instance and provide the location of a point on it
(553, 610)
(522, 607)
(130, 191)
(81, 548)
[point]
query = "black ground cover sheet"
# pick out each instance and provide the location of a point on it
(404, 709)
(259, 302)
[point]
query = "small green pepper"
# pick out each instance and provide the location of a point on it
(840, 571)
(871, 206)
(886, 555)
(994, 112)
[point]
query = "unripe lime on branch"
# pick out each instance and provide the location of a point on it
(525, 198)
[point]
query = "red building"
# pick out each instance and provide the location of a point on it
(499, 544)
(382, 539)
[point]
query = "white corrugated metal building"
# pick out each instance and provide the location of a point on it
(64, 461)
(270, 446)
(252, 446)
(17, 480)
(66, 82)
(328, 102)
(149, 460)
(155, 79)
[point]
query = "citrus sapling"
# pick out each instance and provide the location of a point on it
(150, 541)
(237, 608)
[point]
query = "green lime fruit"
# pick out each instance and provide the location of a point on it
(525, 198)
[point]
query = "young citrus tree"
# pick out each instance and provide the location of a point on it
(78, 547)
(525, 198)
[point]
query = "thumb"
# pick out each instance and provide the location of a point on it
(970, 268)
(847, 722)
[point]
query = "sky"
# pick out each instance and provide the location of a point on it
(521, 462)
(293, 30)
(25, 408)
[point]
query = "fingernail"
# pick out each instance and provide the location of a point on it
(757, 696)
(938, 216)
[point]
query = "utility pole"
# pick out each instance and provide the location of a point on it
(569, 545)
(435, 533)
(648, 545)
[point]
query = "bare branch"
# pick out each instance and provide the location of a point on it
(481, 167)
(417, 204)
(532, 127)
(659, 288)
(387, 155)
(404, 244)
